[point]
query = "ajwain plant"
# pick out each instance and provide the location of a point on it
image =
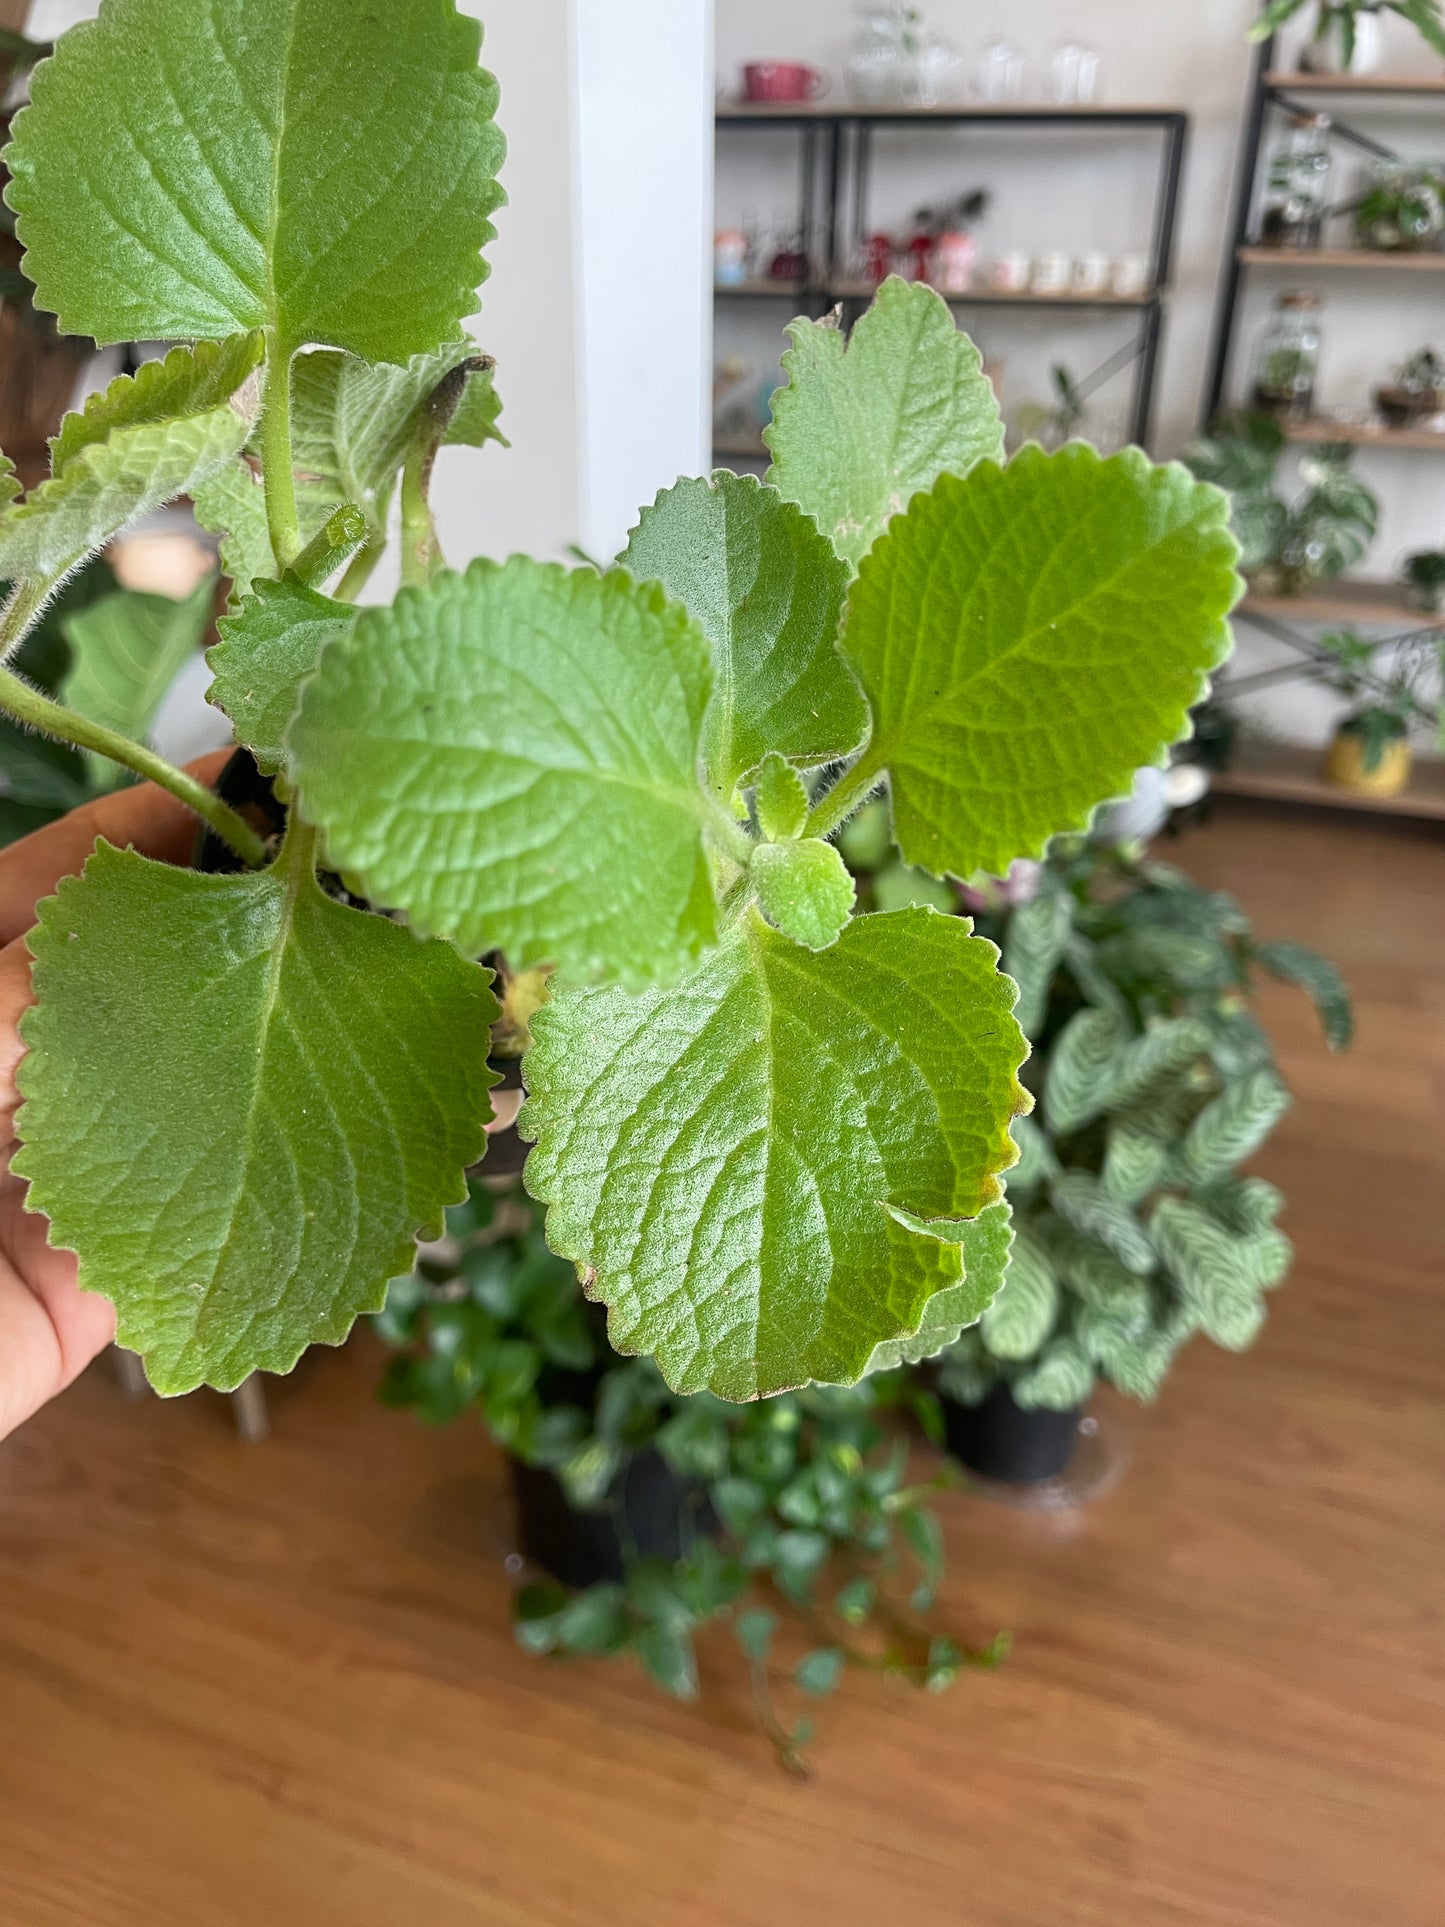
(797, 1522)
(762, 1124)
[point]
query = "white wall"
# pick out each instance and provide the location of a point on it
(643, 253)
(1092, 191)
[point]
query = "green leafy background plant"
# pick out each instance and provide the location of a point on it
(817, 1541)
(1133, 1227)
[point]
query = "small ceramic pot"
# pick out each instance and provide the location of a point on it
(1345, 765)
(1325, 54)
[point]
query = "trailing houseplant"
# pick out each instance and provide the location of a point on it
(1287, 545)
(1371, 746)
(1346, 35)
(651, 1514)
(762, 1125)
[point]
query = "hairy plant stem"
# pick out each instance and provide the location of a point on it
(21, 614)
(849, 793)
(729, 835)
(278, 467)
(38, 711)
(363, 565)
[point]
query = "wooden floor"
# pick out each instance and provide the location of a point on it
(275, 1686)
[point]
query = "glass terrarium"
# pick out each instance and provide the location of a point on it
(1287, 364)
(1297, 199)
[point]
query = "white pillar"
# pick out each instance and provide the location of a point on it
(642, 165)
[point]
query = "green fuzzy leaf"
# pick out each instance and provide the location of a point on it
(1213, 1273)
(1028, 637)
(1082, 1070)
(1108, 1290)
(1022, 1316)
(781, 800)
(267, 648)
(1136, 1162)
(1037, 1162)
(804, 889)
(820, 1672)
(800, 1115)
(187, 381)
(1162, 1052)
(1233, 1125)
(11, 487)
(1266, 1257)
(1081, 1200)
(107, 484)
(1038, 935)
(510, 757)
(985, 1242)
(231, 503)
(242, 1102)
(866, 422)
(126, 651)
(353, 425)
(767, 591)
(1061, 1381)
(178, 174)
(475, 418)
(1320, 980)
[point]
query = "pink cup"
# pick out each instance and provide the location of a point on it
(783, 81)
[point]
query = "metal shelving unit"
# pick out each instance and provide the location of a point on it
(836, 155)
(1276, 772)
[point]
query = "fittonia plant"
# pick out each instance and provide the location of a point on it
(764, 1126)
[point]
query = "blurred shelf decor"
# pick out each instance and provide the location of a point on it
(830, 257)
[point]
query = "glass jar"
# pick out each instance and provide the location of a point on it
(1403, 208)
(1297, 197)
(1000, 76)
(1287, 365)
(940, 73)
(1074, 75)
(882, 64)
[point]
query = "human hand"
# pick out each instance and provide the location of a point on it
(50, 1329)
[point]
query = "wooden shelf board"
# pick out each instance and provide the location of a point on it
(1280, 774)
(765, 288)
(1383, 84)
(1423, 262)
(980, 297)
(1366, 435)
(737, 112)
(1384, 603)
(736, 446)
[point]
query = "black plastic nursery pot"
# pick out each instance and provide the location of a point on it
(648, 1513)
(1000, 1440)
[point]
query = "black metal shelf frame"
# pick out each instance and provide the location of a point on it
(837, 146)
(1271, 92)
